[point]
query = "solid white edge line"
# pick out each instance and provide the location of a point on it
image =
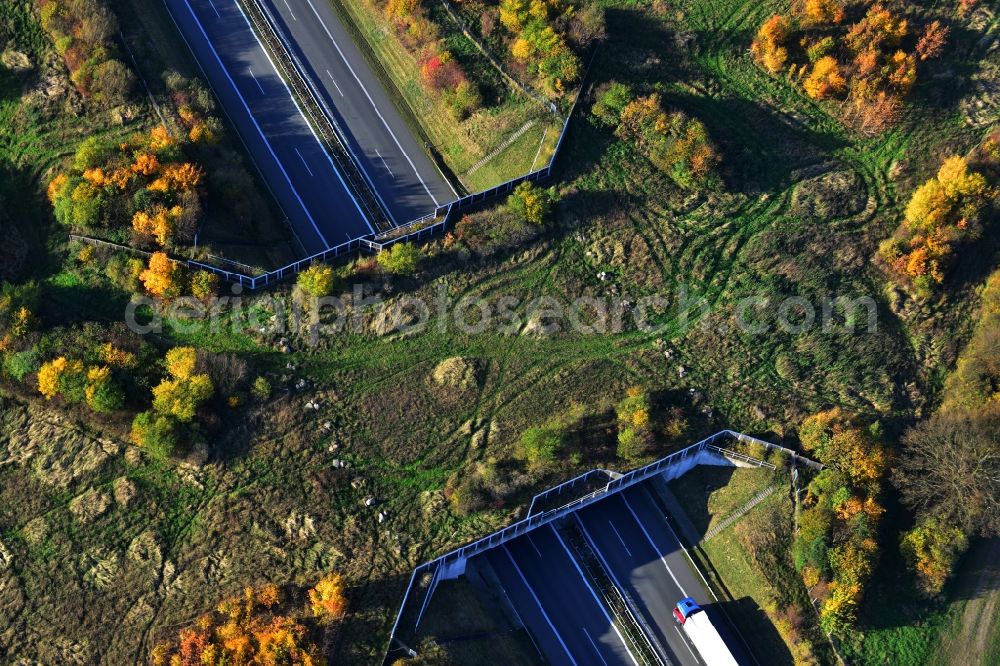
(308, 124)
(653, 544)
(538, 603)
(597, 599)
(614, 579)
(343, 140)
(372, 102)
(246, 106)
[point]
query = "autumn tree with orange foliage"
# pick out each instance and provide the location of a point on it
(819, 12)
(867, 67)
(932, 41)
(768, 48)
(327, 599)
(163, 277)
(243, 629)
(675, 143)
(825, 80)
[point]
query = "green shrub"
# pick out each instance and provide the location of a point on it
(540, 445)
(400, 259)
(20, 364)
(532, 203)
(157, 434)
(317, 280)
(261, 388)
(106, 396)
(204, 284)
(611, 102)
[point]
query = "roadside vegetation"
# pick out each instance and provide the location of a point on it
(476, 119)
(749, 562)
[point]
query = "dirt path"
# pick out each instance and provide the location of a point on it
(970, 642)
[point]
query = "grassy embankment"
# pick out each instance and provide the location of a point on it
(748, 562)
(460, 143)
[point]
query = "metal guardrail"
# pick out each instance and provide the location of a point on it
(557, 490)
(370, 242)
(351, 167)
(623, 481)
(621, 602)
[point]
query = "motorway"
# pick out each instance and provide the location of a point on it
(300, 173)
(640, 550)
(398, 170)
(556, 603)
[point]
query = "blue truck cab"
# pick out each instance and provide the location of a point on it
(684, 609)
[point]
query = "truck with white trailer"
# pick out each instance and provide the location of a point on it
(699, 628)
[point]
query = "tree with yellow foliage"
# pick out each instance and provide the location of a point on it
(48, 377)
(836, 541)
(942, 213)
(532, 203)
(159, 138)
(204, 284)
(635, 431)
(185, 390)
(65, 377)
(825, 80)
(327, 599)
(768, 47)
(317, 280)
(159, 223)
(103, 394)
(181, 362)
(819, 12)
(932, 548)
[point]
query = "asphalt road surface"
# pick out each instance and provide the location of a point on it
(640, 550)
(399, 170)
(321, 209)
(556, 603)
